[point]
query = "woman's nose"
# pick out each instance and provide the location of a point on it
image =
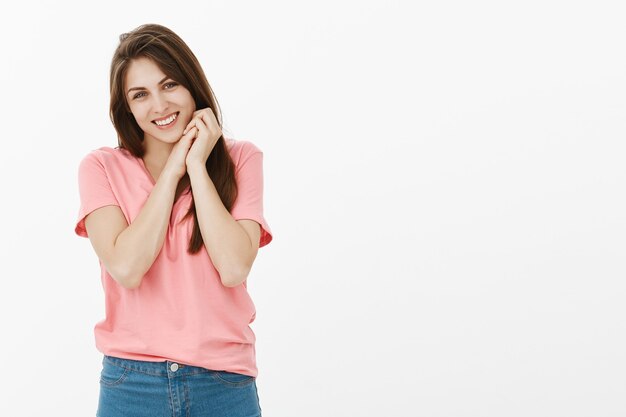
(159, 103)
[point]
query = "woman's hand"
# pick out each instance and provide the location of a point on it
(209, 131)
(176, 163)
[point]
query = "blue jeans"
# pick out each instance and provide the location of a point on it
(160, 389)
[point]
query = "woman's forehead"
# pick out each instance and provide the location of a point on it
(143, 72)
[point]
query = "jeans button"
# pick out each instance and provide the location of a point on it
(174, 367)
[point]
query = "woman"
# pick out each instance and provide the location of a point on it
(175, 216)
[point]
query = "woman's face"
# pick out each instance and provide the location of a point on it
(161, 106)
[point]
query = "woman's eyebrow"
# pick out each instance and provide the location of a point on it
(144, 88)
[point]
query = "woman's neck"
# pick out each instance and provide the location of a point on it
(156, 153)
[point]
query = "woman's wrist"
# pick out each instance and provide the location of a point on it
(170, 178)
(196, 168)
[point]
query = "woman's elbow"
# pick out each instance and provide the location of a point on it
(232, 280)
(126, 277)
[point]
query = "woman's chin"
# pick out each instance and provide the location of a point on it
(172, 138)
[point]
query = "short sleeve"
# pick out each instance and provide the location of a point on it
(94, 189)
(249, 202)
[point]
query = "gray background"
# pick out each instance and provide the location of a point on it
(444, 180)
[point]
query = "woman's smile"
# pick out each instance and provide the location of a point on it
(166, 122)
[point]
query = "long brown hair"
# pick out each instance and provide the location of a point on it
(172, 55)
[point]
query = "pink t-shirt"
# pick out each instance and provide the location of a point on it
(181, 311)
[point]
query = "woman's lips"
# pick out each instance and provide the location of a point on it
(165, 118)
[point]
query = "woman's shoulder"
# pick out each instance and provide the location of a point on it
(240, 149)
(106, 154)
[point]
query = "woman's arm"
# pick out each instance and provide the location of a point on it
(128, 251)
(232, 245)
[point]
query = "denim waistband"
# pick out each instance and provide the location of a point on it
(162, 368)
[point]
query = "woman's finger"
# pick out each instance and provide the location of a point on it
(209, 118)
(191, 123)
(202, 129)
(186, 140)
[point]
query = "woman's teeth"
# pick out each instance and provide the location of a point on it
(166, 121)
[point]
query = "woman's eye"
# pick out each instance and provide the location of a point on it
(138, 95)
(171, 85)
